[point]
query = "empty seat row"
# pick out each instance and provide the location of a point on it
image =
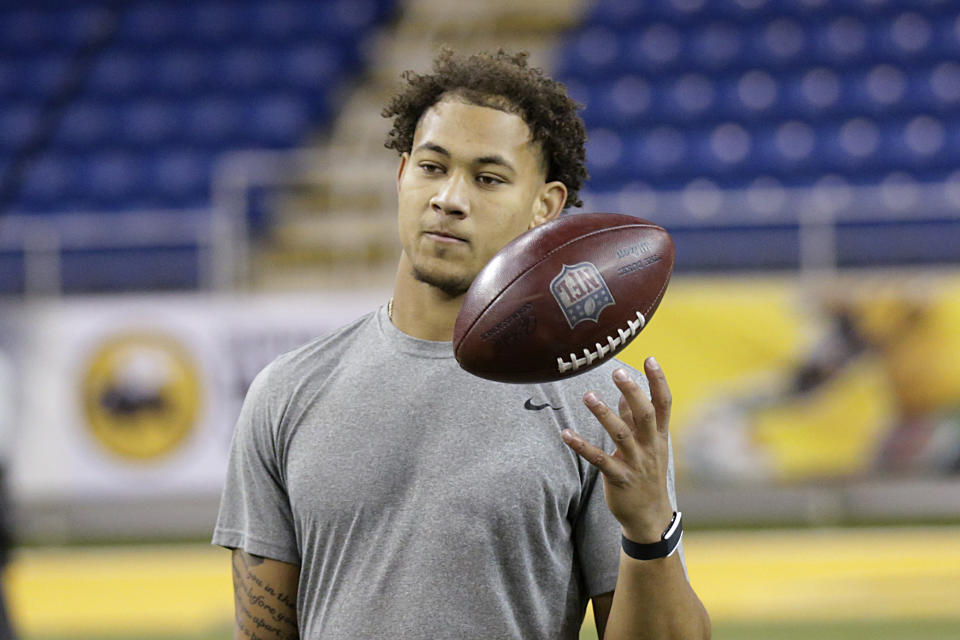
(618, 12)
(813, 92)
(778, 42)
(791, 149)
(42, 26)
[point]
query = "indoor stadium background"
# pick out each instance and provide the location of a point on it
(187, 189)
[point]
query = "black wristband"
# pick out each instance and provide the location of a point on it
(665, 547)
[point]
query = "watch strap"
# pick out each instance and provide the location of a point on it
(654, 550)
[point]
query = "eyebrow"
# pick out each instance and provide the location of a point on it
(490, 159)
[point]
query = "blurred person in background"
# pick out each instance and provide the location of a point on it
(901, 333)
(8, 413)
(377, 490)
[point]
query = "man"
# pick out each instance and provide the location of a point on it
(376, 490)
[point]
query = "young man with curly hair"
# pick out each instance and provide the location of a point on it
(376, 490)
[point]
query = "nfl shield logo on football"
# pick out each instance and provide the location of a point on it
(581, 292)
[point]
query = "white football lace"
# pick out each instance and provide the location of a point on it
(613, 343)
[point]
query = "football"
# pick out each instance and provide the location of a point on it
(563, 297)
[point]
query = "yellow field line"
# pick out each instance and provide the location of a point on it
(770, 575)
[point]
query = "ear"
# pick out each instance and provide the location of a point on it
(403, 167)
(553, 196)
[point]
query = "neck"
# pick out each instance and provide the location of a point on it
(421, 310)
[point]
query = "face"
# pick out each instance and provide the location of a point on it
(472, 182)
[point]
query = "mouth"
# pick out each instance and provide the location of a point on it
(445, 237)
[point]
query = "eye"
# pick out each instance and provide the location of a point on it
(490, 180)
(431, 168)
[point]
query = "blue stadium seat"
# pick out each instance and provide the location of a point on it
(346, 18)
(754, 93)
(658, 151)
(150, 122)
(27, 30)
(279, 120)
(813, 92)
(86, 124)
(119, 73)
(942, 85)
(17, 121)
(147, 24)
(281, 19)
(218, 22)
(591, 53)
(311, 66)
(182, 70)
(113, 177)
(55, 179)
(213, 122)
(9, 83)
(38, 76)
(243, 68)
(716, 45)
(180, 175)
(907, 34)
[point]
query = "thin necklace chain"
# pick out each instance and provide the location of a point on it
(390, 310)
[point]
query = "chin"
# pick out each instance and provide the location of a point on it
(452, 284)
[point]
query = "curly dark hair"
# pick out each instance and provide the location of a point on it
(504, 81)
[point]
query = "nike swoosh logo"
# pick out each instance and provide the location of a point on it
(530, 406)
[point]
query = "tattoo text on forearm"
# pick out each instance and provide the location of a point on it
(261, 611)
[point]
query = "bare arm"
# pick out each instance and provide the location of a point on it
(670, 607)
(653, 598)
(265, 598)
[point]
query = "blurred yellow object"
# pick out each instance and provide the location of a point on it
(832, 431)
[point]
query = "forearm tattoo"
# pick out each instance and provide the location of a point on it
(262, 610)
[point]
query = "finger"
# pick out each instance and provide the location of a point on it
(642, 412)
(622, 434)
(609, 466)
(624, 409)
(626, 414)
(660, 393)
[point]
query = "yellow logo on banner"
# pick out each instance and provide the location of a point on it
(141, 395)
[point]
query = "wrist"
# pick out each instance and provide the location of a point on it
(664, 547)
(651, 528)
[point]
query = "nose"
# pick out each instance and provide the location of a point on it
(452, 198)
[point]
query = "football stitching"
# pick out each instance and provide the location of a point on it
(540, 261)
(613, 344)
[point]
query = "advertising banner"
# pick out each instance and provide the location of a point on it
(137, 395)
(776, 379)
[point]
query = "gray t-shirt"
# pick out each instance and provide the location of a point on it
(419, 500)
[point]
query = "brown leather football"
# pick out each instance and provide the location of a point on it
(563, 297)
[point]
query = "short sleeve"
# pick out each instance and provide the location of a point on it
(255, 513)
(597, 537)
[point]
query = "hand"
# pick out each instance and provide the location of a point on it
(635, 475)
